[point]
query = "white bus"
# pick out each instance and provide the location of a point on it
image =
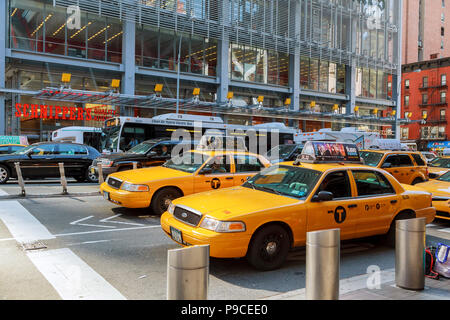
(362, 139)
(90, 136)
(121, 133)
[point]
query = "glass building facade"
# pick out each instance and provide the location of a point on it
(334, 52)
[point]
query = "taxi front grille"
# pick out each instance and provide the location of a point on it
(114, 183)
(187, 216)
(442, 214)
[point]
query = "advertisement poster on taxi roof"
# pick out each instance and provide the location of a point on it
(335, 152)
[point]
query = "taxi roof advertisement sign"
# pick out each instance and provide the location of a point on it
(330, 152)
(14, 140)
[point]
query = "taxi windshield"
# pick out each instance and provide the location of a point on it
(188, 162)
(285, 180)
(371, 158)
(440, 162)
(445, 177)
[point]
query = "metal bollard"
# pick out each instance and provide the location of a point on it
(188, 273)
(100, 173)
(63, 177)
(134, 165)
(322, 264)
(20, 178)
(409, 253)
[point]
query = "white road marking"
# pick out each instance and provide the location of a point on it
(23, 226)
(71, 277)
(77, 222)
(3, 193)
(88, 242)
(118, 215)
(345, 286)
(98, 231)
(444, 230)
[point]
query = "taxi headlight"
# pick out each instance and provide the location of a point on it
(134, 187)
(222, 226)
(171, 208)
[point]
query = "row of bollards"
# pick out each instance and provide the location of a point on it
(188, 268)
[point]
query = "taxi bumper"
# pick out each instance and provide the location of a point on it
(125, 198)
(442, 209)
(221, 245)
(428, 213)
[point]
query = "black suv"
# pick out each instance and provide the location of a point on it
(149, 153)
(40, 160)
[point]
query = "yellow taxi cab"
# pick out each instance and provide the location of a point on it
(194, 171)
(407, 167)
(438, 166)
(440, 189)
(271, 213)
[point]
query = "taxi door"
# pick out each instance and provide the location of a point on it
(400, 166)
(215, 174)
(341, 212)
(379, 201)
(245, 167)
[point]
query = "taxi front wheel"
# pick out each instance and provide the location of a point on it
(269, 248)
(162, 198)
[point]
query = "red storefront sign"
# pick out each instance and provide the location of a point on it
(44, 111)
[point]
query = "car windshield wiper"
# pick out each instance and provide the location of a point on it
(269, 190)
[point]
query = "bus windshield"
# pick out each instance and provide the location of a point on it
(110, 138)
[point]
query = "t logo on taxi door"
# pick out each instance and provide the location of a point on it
(340, 214)
(215, 183)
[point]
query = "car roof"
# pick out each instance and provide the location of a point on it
(214, 152)
(322, 167)
(167, 141)
(58, 142)
(390, 151)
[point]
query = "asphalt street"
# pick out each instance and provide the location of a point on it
(84, 247)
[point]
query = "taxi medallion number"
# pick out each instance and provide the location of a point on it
(176, 235)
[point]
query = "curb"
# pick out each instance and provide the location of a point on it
(50, 195)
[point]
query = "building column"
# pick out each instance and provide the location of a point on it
(129, 63)
(3, 13)
(294, 62)
(223, 59)
(350, 90)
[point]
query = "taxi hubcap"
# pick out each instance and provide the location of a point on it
(271, 247)
(3, 174)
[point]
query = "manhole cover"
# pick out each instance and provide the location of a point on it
(35, 245)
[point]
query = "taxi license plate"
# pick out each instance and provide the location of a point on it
(176, 235)
(106, 195)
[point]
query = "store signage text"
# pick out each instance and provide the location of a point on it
(44, 111)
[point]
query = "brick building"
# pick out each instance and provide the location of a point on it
(424, 102)
(426, 30)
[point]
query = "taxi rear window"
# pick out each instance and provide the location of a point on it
(371, 158)
(418, 159)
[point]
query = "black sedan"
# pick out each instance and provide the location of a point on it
(40, 160)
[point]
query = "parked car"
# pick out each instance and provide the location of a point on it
(149, 153)
(429, 156)
(40, 160)
(10, 148)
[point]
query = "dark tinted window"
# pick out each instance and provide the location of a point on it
(418, 159)
(246, 163)
(337, 183)
(16, 148)
(71, 149)
(399, 160)
(219, 164)
(371, 183)
(44, 150)
(4, 149)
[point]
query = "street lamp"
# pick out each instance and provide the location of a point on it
(192, 19)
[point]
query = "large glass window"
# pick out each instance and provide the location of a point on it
(37, 26)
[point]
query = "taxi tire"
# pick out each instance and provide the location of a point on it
(160, 195)
(4, 174)
(259, 244)
(389, 238)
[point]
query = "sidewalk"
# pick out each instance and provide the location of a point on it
(13, 191)
(356, 289)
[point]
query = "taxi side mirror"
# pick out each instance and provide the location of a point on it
(386, 165)
(322, 196)
(206, 171)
